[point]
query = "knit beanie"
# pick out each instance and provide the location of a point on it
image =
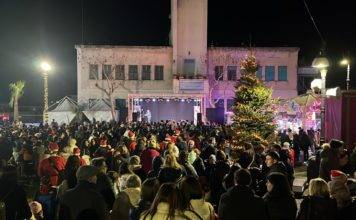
(338, 188)
(334, 143)
(338, 175)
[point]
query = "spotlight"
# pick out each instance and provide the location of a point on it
(182, 100)
(167, 100)
(153, 100)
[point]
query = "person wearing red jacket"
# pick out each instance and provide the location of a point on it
(132, 144)
(148, 155)
(76, 152)
(53, 166)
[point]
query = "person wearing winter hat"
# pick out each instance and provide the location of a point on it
(275, 165)
(132, 144)
(104, 184)
(334, 143)
(330, 159)
(339, 189)
(76, 152)
(147, 156)
(83, 197)
(51, 168)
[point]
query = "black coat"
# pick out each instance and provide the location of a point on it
(83, 198)
(348, 212)
(207, 151)
(15, 200)
(220, 169)
(136, 212)
(317, 208)
(199, 166)
(240, 202)
(105, 187)
(287, 170)
(281, 208)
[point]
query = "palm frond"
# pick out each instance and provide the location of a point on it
(17, 90)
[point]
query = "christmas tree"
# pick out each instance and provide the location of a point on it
(253, 119)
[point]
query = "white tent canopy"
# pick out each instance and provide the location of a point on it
(100, 111)
(63, 111)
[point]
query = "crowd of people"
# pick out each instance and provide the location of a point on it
(169, 170)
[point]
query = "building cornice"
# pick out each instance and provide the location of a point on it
(89, 46)
(288, 49)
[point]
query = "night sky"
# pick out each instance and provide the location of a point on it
(35, 29)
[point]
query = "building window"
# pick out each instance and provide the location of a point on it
(159, 73)
(219, 74)
(93, 71)
(189, 67)
(230, 105)
(133, 72)
(106, 71)
(282, 73)
(259, 73)
(120, 72)
(231, 73)
(146, 72)
(269, 73)
(219, 103)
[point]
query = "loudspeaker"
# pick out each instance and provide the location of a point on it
(215, 115)
(199, 118)
(135, 116)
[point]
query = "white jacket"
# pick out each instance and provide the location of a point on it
(204, 209)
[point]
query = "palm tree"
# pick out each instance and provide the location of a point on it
(17, 90)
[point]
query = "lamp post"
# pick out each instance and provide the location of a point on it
(346, 62)
(45, 68)
(322, 64)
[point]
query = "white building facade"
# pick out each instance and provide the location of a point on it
(187, 71)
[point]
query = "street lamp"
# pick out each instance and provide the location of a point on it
(346, 62)
(322, 64)
(46, 67)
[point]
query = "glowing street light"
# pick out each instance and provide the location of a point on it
(346, 62)
(46, 67)
(322, 64)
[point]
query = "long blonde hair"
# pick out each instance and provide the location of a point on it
(171, 161)
(318, 187)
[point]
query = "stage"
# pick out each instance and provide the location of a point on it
(155, 108)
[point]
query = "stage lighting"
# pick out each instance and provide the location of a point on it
(167, 100)
(140, 100)
(153, 100)
(182, 100)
